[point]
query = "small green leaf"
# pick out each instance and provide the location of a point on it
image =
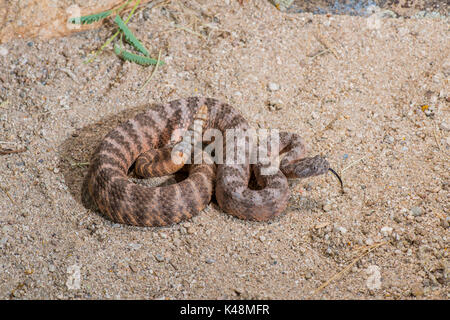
(145, 61)
(130, 37)
(90, 18)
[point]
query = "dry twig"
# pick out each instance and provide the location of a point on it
(10, 151)
(339, 274)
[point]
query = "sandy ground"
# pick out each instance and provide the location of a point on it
(370, 93)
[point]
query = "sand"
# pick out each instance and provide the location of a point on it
(370, 93)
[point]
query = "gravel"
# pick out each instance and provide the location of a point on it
(345, 82)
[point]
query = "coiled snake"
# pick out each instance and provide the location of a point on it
(145, 141)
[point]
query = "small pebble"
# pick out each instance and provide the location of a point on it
(275, 104)
(417, 290)
(386, 231)
(373, 282)
(321, 225)
(341, 230)
(210, 261)
(159, 258)
(445, 126)
(146, 14)
(135, 246)
(3, 51)
(163, 235)
(272, 86)
(3, 241)
(445, 222)
(190, 230)
(389, 139)
(326, 207)
(416, 211)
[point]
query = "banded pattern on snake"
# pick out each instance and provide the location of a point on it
(145, 141)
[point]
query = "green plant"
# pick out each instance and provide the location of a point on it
(123, 30)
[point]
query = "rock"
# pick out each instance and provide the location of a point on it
(416, 211)
(159, 258)
(190, 230)
(135, 246)
(163, 235)
(417, 290)
(403, 31)
(389, 139)
(275, 104)
(272, 86)
(426, 14)
(326, 207)
(74, 277)
(282, 5)
(386, 231)
(445, 222)
(387, 14)
(340, 229)
(321, 225)
(7, 229)
(373, 282)
(444, 126)
(210, 261)
(3, 51)
(3, 241)
(146, 14)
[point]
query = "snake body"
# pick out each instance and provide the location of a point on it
(145, 142)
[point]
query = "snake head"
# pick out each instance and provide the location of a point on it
(309, 167)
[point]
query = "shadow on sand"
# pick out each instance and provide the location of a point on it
(75, 152)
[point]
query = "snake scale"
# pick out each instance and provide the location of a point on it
(144, 143)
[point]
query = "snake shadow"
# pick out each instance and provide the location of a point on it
(75, 152)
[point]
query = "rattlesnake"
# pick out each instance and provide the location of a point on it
(146, 137)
